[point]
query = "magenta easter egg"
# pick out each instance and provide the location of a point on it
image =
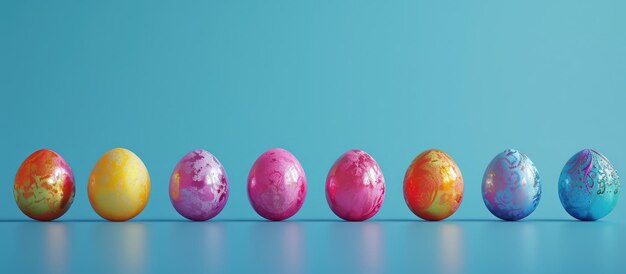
(276, 185)
(199, 186)
(355, 186)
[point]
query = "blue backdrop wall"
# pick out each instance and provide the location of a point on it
(318, 78)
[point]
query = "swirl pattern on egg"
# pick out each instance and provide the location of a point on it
(511, 186)
(433, 185)
(589, 186)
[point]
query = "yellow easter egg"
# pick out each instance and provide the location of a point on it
(119, 185)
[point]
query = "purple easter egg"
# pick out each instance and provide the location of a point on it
(511, 186)
(276, 185)
(199, 186)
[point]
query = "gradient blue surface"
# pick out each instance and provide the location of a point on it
(317, 78)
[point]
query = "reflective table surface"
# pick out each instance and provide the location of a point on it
(312, 246)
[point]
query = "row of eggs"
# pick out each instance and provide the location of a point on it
(119, 186)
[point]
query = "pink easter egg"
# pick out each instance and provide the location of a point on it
(199, 186)
(276, 185)
(355, 186)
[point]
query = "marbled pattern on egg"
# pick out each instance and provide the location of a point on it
(511, 186)
(355, 186)
(199, 186)
(44, 186)
(277, 185)
(119, 185)
(589, 186)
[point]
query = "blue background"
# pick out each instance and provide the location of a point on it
(317, 78)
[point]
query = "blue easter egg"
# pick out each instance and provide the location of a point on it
(511, 186)
(588, 186)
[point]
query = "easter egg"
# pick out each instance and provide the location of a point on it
(276, 185)
(433, 185)
(199, 186)
(355, 186)
(511, 186)
(588, 186)
(119, 185)
(44, 186)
